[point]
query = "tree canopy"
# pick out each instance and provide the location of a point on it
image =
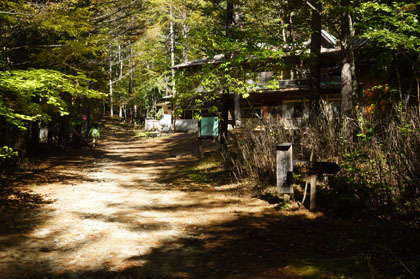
(50, 50)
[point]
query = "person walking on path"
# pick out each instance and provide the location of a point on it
(94, 133)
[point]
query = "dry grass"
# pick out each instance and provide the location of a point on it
(380, 157)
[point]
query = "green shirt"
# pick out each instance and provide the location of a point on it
(94, 132)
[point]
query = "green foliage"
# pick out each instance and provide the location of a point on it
(150, 89)
(58, 35)
(257, 43)
(367, 135)
(7, 152)
(233, 74)
(394, 28)
(35, 94)
(396, 25)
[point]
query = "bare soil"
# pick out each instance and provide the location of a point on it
(130, 209)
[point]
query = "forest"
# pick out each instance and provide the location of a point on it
(340, 79)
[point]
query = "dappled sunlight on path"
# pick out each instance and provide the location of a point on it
(126, 210)
(118, 212)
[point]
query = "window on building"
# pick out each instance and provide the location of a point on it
(293, 110)
(275, 111)
(188, 114)
(298, 110)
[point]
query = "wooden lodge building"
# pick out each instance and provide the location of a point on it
(290, 97)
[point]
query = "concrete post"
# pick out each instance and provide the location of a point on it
(284, 156)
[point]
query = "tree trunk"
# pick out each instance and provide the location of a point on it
(397, 71)
(291, 29)
(130, 71)
(130, 79)
(50, 131)
(172, 38)
(111, 100)
(346, 89)
(185, 36)
(88, 120)
(355, 84)
(135, 116)
(65, 131)
(21, 57)
(120, 61)
(418, 93)
(237, 109)
(33, 136)
(229, 15)
(225, 93)
(283, 29)
(347, 69)
(225, 119)
(315, 63)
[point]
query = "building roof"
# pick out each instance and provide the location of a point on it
(213, 60)
(330, 42)
(330, 45)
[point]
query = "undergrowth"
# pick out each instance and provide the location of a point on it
(379, 181)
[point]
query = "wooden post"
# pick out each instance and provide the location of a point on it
(199, 139)
(284, 160)
(237, 109)
(313, 169)
(313, 192)
(225, 119)
(200, 151)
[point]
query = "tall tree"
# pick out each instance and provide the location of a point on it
(225, 96)
(172, 42)
(316, 7)
(348, 75)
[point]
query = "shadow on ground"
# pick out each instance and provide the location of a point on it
(273, 244)
(266, 246)
(20, 211)
(58, 166)
(251, 246)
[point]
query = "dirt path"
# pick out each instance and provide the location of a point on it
(124, 211)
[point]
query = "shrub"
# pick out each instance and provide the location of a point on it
(380, 161)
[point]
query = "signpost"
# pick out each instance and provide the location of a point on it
(315, 167)
(209, 126)
(286, 167)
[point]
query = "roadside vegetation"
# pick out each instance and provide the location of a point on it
(378, 184)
